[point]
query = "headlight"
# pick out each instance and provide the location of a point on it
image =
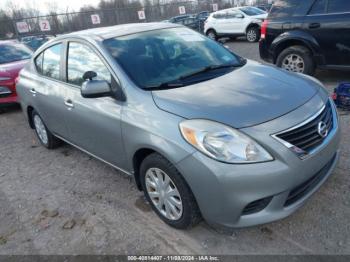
(222, 142)
(4, 78)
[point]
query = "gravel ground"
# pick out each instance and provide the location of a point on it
(65, 202)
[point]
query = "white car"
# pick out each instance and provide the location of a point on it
(234, 22)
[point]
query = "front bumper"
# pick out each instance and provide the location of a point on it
(223, 191)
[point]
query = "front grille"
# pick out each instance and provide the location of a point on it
(304, 188)
(307, 136)
(256, 206)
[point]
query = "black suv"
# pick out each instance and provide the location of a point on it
(302, 35)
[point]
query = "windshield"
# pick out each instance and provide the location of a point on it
(161, 56)
(251, 11)
(13, 52)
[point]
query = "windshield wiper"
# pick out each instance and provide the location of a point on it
(208, 69)
(179, 81)
(165, 85)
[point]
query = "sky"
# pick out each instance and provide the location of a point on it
(42, 5)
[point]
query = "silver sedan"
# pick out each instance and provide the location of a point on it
(204, 132)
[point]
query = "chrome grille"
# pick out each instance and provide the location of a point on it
(305, 138)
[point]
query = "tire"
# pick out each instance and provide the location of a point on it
(253, 34)
(155, 166)
(212, 34)
(46, 138)
(289, 59)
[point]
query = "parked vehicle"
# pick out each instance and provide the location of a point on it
(234, 22)
(34, 42)
(301, 36)
(179, 18)
(202, 131)
(341, 96)
(191, 22)
(13, 57)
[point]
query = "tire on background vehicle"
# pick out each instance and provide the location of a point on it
(253, 34)
(52, 141)
(303, 52)
(190, 211)
(212, 34)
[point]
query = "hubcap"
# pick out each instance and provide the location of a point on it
(251, 35)
(294, 63)
(163, 193)
(40, 129)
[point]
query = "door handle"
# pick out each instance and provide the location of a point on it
(314, 25)
(32, 91)
(69, 103)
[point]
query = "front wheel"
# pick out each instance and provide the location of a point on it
(296, 59)
(168, 193)
(212, 34)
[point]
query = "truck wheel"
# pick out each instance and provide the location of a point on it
(296, 59)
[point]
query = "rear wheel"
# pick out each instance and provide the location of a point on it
(212, 34)
(296, 59)
(45, 137)
(168, 193)
(253, 34)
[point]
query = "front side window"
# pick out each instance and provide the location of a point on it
(319, 7)
(161, 56)
(338, 6)
(81, 59)
(39, 62)
(51, 61)
(13, 52)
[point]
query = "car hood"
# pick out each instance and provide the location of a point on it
(247, 96)
(262, 16)
(12, 69)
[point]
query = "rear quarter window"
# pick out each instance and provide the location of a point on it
(283, 9)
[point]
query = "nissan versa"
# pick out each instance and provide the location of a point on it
(204, 132)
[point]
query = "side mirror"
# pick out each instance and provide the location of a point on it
(240, 16)
(95, 88)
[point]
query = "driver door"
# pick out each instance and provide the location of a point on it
(94, 124)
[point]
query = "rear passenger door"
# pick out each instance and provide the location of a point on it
(94, 124)
(328, 21)
(49, 90)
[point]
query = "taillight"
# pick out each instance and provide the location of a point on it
(264, 29)
(16, 80)
(334, 95)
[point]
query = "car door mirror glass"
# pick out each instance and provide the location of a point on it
(95, 88)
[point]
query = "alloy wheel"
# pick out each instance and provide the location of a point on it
(163, 193)
(251, 35)
(293, 63)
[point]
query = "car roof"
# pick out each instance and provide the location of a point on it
(102, 33)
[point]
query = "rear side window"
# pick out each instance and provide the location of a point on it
(219, 16)
(81, 59)
(319, 7)
(284, 8)
(51, 61)
(338, 6)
